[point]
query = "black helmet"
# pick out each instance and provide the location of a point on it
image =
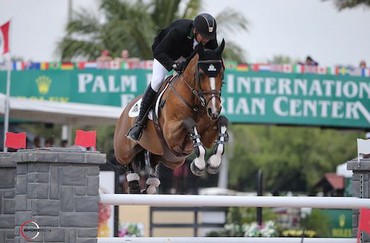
(206, 25)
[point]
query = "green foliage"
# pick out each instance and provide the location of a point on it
(344, 4)
(291, 158)
(132, 25)
(240, 216)
(318, 223)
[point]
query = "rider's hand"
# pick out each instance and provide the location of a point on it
(179, 67)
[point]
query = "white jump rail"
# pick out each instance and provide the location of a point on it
(235, 201)
(225, 239)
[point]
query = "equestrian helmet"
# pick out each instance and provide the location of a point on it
(206, 25)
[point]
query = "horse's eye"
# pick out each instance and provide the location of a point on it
(202, 74)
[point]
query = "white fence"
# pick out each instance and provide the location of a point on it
(224, 239)
(232, 201)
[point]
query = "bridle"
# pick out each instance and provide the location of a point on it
(197, 90)
(213, 93)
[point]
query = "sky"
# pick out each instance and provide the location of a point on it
(293, 28)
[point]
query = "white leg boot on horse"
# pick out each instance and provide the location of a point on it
(198, 165)
(133, 183)
(214, 161)
(152, 183)
(147, 102)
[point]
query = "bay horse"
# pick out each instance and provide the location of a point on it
(185, 118)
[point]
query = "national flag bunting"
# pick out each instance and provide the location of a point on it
(44, 66)
(54, 65)
(242, 67)
(287, 68)
(18, 65)
(4, 38)
(90, 65)
(115, 64)
(15, 140)
(298, 68)
(67, 66)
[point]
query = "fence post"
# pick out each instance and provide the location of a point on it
(7, 198)
(360, 189)
(57, 195)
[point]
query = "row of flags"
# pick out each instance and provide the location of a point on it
(113, 65)
(148, 64)
(300, 68)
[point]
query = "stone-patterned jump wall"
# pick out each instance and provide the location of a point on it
(56, 195)
(360, 189)
(7, 195)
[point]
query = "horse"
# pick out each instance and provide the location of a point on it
(186, 118)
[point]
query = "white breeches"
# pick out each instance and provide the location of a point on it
(158, 75)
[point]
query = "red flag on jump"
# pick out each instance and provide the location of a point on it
(15, 140)
(363, 222)
(85, 139)
(4, 38)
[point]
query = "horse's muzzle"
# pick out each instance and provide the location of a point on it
(213, 115)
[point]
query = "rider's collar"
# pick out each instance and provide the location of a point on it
(195, 43)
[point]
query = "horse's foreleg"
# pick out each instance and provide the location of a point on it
(152, 182)
(133, 181)
(214, 161)
(198, 165)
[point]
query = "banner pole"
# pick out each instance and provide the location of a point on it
(7, 101)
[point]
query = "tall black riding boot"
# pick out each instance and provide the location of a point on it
(148, 99)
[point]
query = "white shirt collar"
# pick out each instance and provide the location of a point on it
(195, 43)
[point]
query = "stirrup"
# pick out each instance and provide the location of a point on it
(135, 133)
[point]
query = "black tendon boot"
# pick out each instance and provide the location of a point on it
(137, 130)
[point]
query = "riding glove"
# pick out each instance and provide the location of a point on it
(179, 67)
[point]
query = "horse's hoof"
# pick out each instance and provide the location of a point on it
(214, 162)
(133, 187)
(212, 170)
(195, 170)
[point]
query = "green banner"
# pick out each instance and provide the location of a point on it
(340, 222)
(248, 97)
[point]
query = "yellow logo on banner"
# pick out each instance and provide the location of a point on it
(342, 220)
(43, 84)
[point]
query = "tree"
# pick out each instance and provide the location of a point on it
(291, 158)
(343, 4)
(133, 25)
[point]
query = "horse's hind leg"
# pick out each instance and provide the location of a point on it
(198, 165)
(152, 182)
(133, 181)
(214, 161)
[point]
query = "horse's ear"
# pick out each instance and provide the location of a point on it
(221, 47)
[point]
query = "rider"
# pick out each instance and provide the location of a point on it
(177, 40)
